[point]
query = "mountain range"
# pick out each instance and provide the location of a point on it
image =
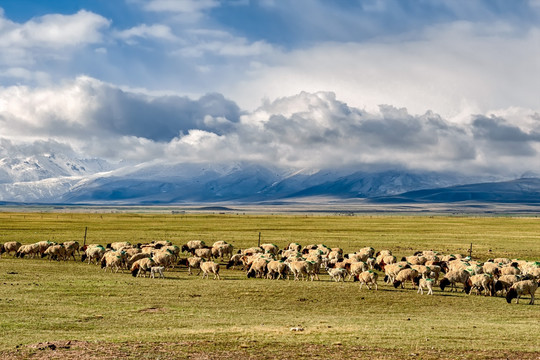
(59, 179)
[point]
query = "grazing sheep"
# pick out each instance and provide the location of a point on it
(277, 269)
(55, 252)
(368, 277)
(93, 253)
(480, 282)
(134, 258)
(157, 270)
(258, 268)
(10, 246)
(234, 260)
(337, 274)
(29, 249)
(270, 249)
(521, 288)
(117, 245)
(293, 246)
(252, 251)
(210, 267)
(162, 243)
(164, 258)
(299, 267)
(425, 283)
(71, 248)
(510, 270)
(112, 259)
(141, 266)
(405, 275)
(415, 260)
(491, 268)
(192, 245)
(222, 250)
(355, 269)
(205, 253)
(392, 270)
(192, 263)
(453, 277)
(43, 245)
(383, 260)
(505, 282)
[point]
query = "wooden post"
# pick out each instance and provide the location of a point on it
(85, 232)
(470, 251)
(259, 244)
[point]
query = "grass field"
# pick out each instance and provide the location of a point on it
(82, 312)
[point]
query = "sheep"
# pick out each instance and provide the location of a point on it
(258, 268)
(367, 252)
(368, 277)
(221, 250)
(29, 249)
(521, 288)
(208, 267)
(252, 251)
(425, 283)
(392, 270)
(510, 270)
(205, 253)
(117, 245)
(504, 283)
(141, 266)
(355, 269)
(293, 246)
(162, 243)
(480, 282)
(491, 268)
(134, 258)
(43, 245)
(337, 274)
(192, 245)
(71, 248)
(112, 259)
(234, 260)
(383, 260)
(157, 270)
(93, 254)
(277, 269)
(164, 258)
(55, 252)
(299, 267)
(415, 260)
(453, 277)
(10, 246)
(192, 263)
(405, 275)
(270, 249)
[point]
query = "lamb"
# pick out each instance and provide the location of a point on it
(368, 278)
(405, 275)
(157, 270)
(208, 267)
(337, 274)
(10, 246)
(425, 283)
(453, 277)
(521, 288)
(141, 266)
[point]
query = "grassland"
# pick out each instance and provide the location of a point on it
(85, 313)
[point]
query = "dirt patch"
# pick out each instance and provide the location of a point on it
(84, 350)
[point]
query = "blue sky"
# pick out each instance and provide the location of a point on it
(216, 75)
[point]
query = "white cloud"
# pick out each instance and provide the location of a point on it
(180, 6)
(156, 31)
(48, 36)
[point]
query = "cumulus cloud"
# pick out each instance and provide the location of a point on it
(48, 35)
(307, 130)
(156, 31)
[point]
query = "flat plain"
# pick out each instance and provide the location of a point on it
(71, 309)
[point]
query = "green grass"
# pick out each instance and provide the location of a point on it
(49, 301)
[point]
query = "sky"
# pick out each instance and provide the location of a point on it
(424, 84)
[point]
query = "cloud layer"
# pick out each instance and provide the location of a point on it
(307, 130)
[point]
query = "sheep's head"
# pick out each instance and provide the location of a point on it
(444, 283)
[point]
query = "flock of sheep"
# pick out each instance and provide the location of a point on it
(511, 278)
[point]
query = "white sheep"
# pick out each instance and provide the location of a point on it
(368, 277)
(277, 269)
(210, 267)
(480, 282)
(425, 283)
(521, 288)
(337, 274)
(10, 246)
(205, 253)
(141, 266)
(405, 275)
(453, 277)
(157, 270)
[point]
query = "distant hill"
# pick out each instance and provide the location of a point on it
(525, 190)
